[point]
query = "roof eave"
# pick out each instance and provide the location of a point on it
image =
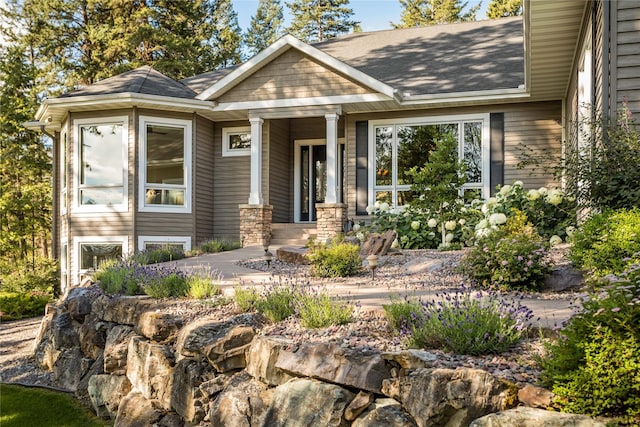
(466, 97)
(284, 43)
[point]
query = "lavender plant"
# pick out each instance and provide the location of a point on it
(465, 322)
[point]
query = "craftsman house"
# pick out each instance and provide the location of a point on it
(313, 134)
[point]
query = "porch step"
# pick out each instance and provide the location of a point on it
(292, 234)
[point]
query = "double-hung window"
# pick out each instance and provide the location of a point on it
(165, 165)
(101, 172)
(397, 146)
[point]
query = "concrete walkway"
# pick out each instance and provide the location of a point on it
(369, 294)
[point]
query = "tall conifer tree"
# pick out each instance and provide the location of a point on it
(265, 27)
(420, 13)
(318, 20)
(503, 8)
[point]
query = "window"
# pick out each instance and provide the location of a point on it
(64, 265)
(399, 145)
(92, 251)
(101, 167)
(156, 242)
(165, 165)
(236, 141)
(63, 172)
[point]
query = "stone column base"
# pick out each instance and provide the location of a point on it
(331, 217)
(255, 224)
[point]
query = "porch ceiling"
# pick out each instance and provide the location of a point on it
(552, 30)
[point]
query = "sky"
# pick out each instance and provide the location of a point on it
(372, 14)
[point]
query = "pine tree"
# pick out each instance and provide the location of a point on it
(265, 26)
(318, 20)
(420, 13)
(227, 35)
(503, 8)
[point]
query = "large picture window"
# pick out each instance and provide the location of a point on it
(92, 251)
(165, 164)
(102, 163)
(397, 146)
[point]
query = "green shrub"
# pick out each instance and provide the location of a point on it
(246, 298)
(513, 257)
(14, 306)
(464, 322)
(202, 286)
(598, 345)
(39, 275)
(277, 302)
(336, 260)
(318, 310)
(130, 278)
(218, 245)
(607, 242)
(163, 282)
(163, 254)
(116, 277)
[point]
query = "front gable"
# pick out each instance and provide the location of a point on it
(293, 74)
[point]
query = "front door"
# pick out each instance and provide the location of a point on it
(312, 176)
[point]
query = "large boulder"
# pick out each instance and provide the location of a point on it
(438, 397)
(411, 359)
(262, 358)
(70, 367)
(158, 326)
(292, 255)
(150, 370)
(64, 332)
(227, 352)
(196, 338)
(330, 362)
(93, 336)
(78, 302)
(106, 392)
(535, 397)
(378, 244)
(359, 403)
(384, 412)
(125, 310)
(305, 402)
(532, 417)
(241, 403)
(45, 352)
(96, 368)
(136, 411)
(116, 348)
(186, 397)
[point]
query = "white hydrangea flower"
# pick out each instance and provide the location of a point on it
(497, 219)
(449, 237)
(492, 201)
(554, 197)
(445, 204)
(432, 223)
(555, 240)
(384, 207)
(415, 225)
(533, 195)
(463, 209)
(395, 244)
(482, 224)
(571, 230)
(377, 204)
(482, 232)
(484, 208)
(505, 190)
(518, 184)
(450, 225)
(542, 190)
(370, 209)
(360, 236)
(462, 221)
(356, 227)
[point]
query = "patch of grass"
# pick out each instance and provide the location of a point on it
(33, 407)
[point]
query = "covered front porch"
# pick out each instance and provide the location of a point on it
(297, 173)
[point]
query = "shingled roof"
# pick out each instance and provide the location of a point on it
(143, 80)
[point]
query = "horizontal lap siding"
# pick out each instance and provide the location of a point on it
(292, 75)
(598, 57)
(628, 55)
(280, 171)
(231, 184)
(536, 124)
(162, 223)
(103, 223)
(203, 185)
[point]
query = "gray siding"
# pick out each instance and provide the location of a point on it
(162, 223)
(231, 185)
(280, 171)
(203, 183)
(313, 128)
(599, 58)
(628, 54)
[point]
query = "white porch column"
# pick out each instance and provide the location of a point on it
(332, 158)
(255, 196)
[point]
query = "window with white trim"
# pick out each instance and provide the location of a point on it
(236, 141)
(396, 146)
(64, 265)
(165, 165)
(101, 164)
(92, 251)
(157, 242)
(63, 172)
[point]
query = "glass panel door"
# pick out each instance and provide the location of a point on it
(313, 179)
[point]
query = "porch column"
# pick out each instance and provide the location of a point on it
(255, 196)
(332, 158)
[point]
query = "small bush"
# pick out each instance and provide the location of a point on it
(130, 278)
(202, 286)
(277, 303)
(607, 242)
(218, 245)
(38, 275)
(162, 282)
(15, 306)
(513, 257)
(318, 310)
(598, 345)
(464, 322)
(163, 254)
(337, 260)
(403, 313)
(116, 277)
(246, 298)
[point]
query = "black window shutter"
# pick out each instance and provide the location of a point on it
(362, 173)
(497, 150)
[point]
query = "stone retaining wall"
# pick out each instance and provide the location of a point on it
(141, 364)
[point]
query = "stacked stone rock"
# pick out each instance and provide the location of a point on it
(141, 365)
(331, 218)
(255, 224)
